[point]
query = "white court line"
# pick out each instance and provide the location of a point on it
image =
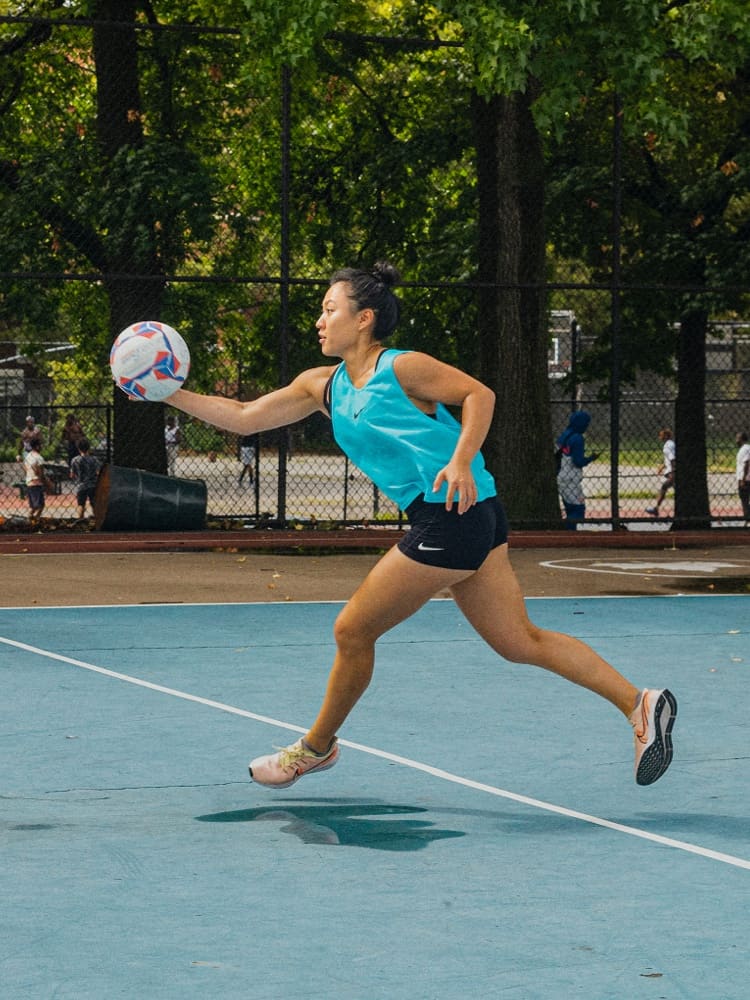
(416, 765)
(144, 606)
(641, 567)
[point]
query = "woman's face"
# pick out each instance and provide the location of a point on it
(339, 326)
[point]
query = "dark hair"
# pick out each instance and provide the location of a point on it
(84, 444)
(36, 443)
(371, 289)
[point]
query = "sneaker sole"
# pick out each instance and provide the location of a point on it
(658, 757)
(329, 763)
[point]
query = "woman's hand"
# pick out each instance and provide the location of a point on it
(461, 484)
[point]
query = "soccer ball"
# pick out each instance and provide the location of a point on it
(149, 361)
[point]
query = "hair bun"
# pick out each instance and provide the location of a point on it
(386, 273)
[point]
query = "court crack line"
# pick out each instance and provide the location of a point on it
(415, 765)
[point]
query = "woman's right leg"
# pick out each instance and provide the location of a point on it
(393, 591)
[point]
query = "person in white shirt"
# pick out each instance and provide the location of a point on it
(666, 469)
(172, 439)
(33, 465)
(743, 474)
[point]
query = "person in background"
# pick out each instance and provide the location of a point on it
(72, 433)
(29, 431)
(85, 470)
(36, 480)
(666, 469)
(571, 446)
(172, 438)
(743, 475)
(247, 458)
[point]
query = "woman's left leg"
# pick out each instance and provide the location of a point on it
(492, 601)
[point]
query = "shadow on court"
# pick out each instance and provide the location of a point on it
(345, 824)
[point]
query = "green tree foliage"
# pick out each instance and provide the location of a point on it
(686, 221)
(113, 161)
(438, 157)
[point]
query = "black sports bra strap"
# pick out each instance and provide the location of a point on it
(379, 358)
(327, 391)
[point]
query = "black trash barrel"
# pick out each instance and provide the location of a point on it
(134, 500)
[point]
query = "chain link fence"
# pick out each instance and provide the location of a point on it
(317, 484)
(255, 274)
(242, 476)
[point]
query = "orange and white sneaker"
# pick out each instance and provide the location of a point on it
(652, 720)
(282, 769)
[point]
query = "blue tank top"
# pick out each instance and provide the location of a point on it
(400, 448)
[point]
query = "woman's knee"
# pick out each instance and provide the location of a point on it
(351, 632)
(524, 646)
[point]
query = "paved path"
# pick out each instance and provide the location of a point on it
(234, 575)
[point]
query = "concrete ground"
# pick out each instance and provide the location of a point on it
(482, 837)
(233, 574)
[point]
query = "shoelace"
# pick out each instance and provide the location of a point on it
(290, 755)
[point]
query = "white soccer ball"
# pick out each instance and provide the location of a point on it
(149, 360)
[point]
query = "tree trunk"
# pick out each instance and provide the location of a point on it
(692, 506)
(513, 331)
(138, 427)
(132, 278)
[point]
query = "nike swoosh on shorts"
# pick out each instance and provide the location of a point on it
(429, 548)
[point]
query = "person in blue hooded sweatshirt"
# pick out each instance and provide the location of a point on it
(573, 460)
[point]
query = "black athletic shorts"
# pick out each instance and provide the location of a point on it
(445, 538)
(84, 494)
(35, 496)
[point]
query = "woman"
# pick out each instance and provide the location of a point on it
(388, 410)
(573, 460)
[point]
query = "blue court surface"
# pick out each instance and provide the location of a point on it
(482, 835)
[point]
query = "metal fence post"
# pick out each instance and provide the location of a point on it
(614, 381)
(286, 171)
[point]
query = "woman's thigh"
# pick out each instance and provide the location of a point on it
(394, 589)
(492, 601)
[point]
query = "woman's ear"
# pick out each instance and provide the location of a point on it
(367, 318)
